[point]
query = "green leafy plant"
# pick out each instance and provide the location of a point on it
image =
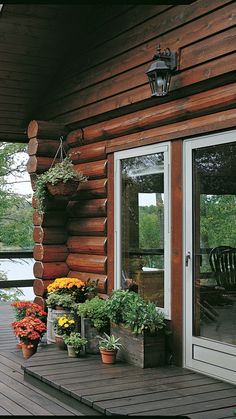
(95, 311)
(109, 343)
(75, 340)
(133, 311)
(58, 299)
(61, 172)
(144, 315)
(119, 303)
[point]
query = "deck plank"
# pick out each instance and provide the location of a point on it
(159, 397)
(150, 390)
(18, 397)
(22, 401)
(120, 389)
(203, 408)
(178, 405)
(214, 414)
(123, 389)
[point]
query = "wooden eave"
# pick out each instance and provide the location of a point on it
(34, 40)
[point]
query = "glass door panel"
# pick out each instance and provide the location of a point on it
(214, 242)
(142, 227)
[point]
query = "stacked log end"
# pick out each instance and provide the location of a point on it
(87, 215)
(50, 235)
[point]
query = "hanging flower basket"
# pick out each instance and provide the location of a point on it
(60, 180)
(63, 188)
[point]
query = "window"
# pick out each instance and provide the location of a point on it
(142, 233)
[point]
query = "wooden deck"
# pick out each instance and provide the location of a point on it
(123, 389)
(56, 385)
(17, 397)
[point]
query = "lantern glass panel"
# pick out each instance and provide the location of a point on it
(159, 83)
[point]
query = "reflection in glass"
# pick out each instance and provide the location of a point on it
(214, 214)
(142, 225)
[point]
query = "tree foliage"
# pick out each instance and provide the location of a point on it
(15, 208)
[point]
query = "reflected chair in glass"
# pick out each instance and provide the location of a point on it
(223, 263)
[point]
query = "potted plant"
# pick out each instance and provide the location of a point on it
(29, 331)
(63, 325)
(94, 320)
(76, 288)
(108, 346)
(61, 179)
(63, 296)
(74, 343)
(140, 326)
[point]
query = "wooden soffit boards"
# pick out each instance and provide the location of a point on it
(34, 39)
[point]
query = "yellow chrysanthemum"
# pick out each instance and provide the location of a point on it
(65, 283)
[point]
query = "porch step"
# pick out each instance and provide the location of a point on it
(94, 388)
(59, 394)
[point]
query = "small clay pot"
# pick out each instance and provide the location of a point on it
(108, 357)
(28, 352)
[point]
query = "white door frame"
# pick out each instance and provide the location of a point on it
(201, 354)
(164, 148)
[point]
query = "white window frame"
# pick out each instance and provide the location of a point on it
(135, 152)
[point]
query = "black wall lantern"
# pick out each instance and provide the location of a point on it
(159, 72)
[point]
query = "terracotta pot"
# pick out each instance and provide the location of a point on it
(28, 352)
(59, 341)
(108, 357)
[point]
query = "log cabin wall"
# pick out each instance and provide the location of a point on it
(103, 98)
(50, 235)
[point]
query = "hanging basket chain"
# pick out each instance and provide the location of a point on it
(60, 150)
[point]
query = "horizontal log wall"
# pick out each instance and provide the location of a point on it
(87, 217)
(111, 79)
(104, 101)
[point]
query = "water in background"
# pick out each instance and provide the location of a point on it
(19, 269)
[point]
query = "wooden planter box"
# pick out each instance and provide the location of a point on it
(143, 350)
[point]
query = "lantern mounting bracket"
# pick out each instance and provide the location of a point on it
(166, 55)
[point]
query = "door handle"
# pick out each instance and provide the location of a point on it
(187, 258)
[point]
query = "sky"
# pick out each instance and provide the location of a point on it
(20, 184)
